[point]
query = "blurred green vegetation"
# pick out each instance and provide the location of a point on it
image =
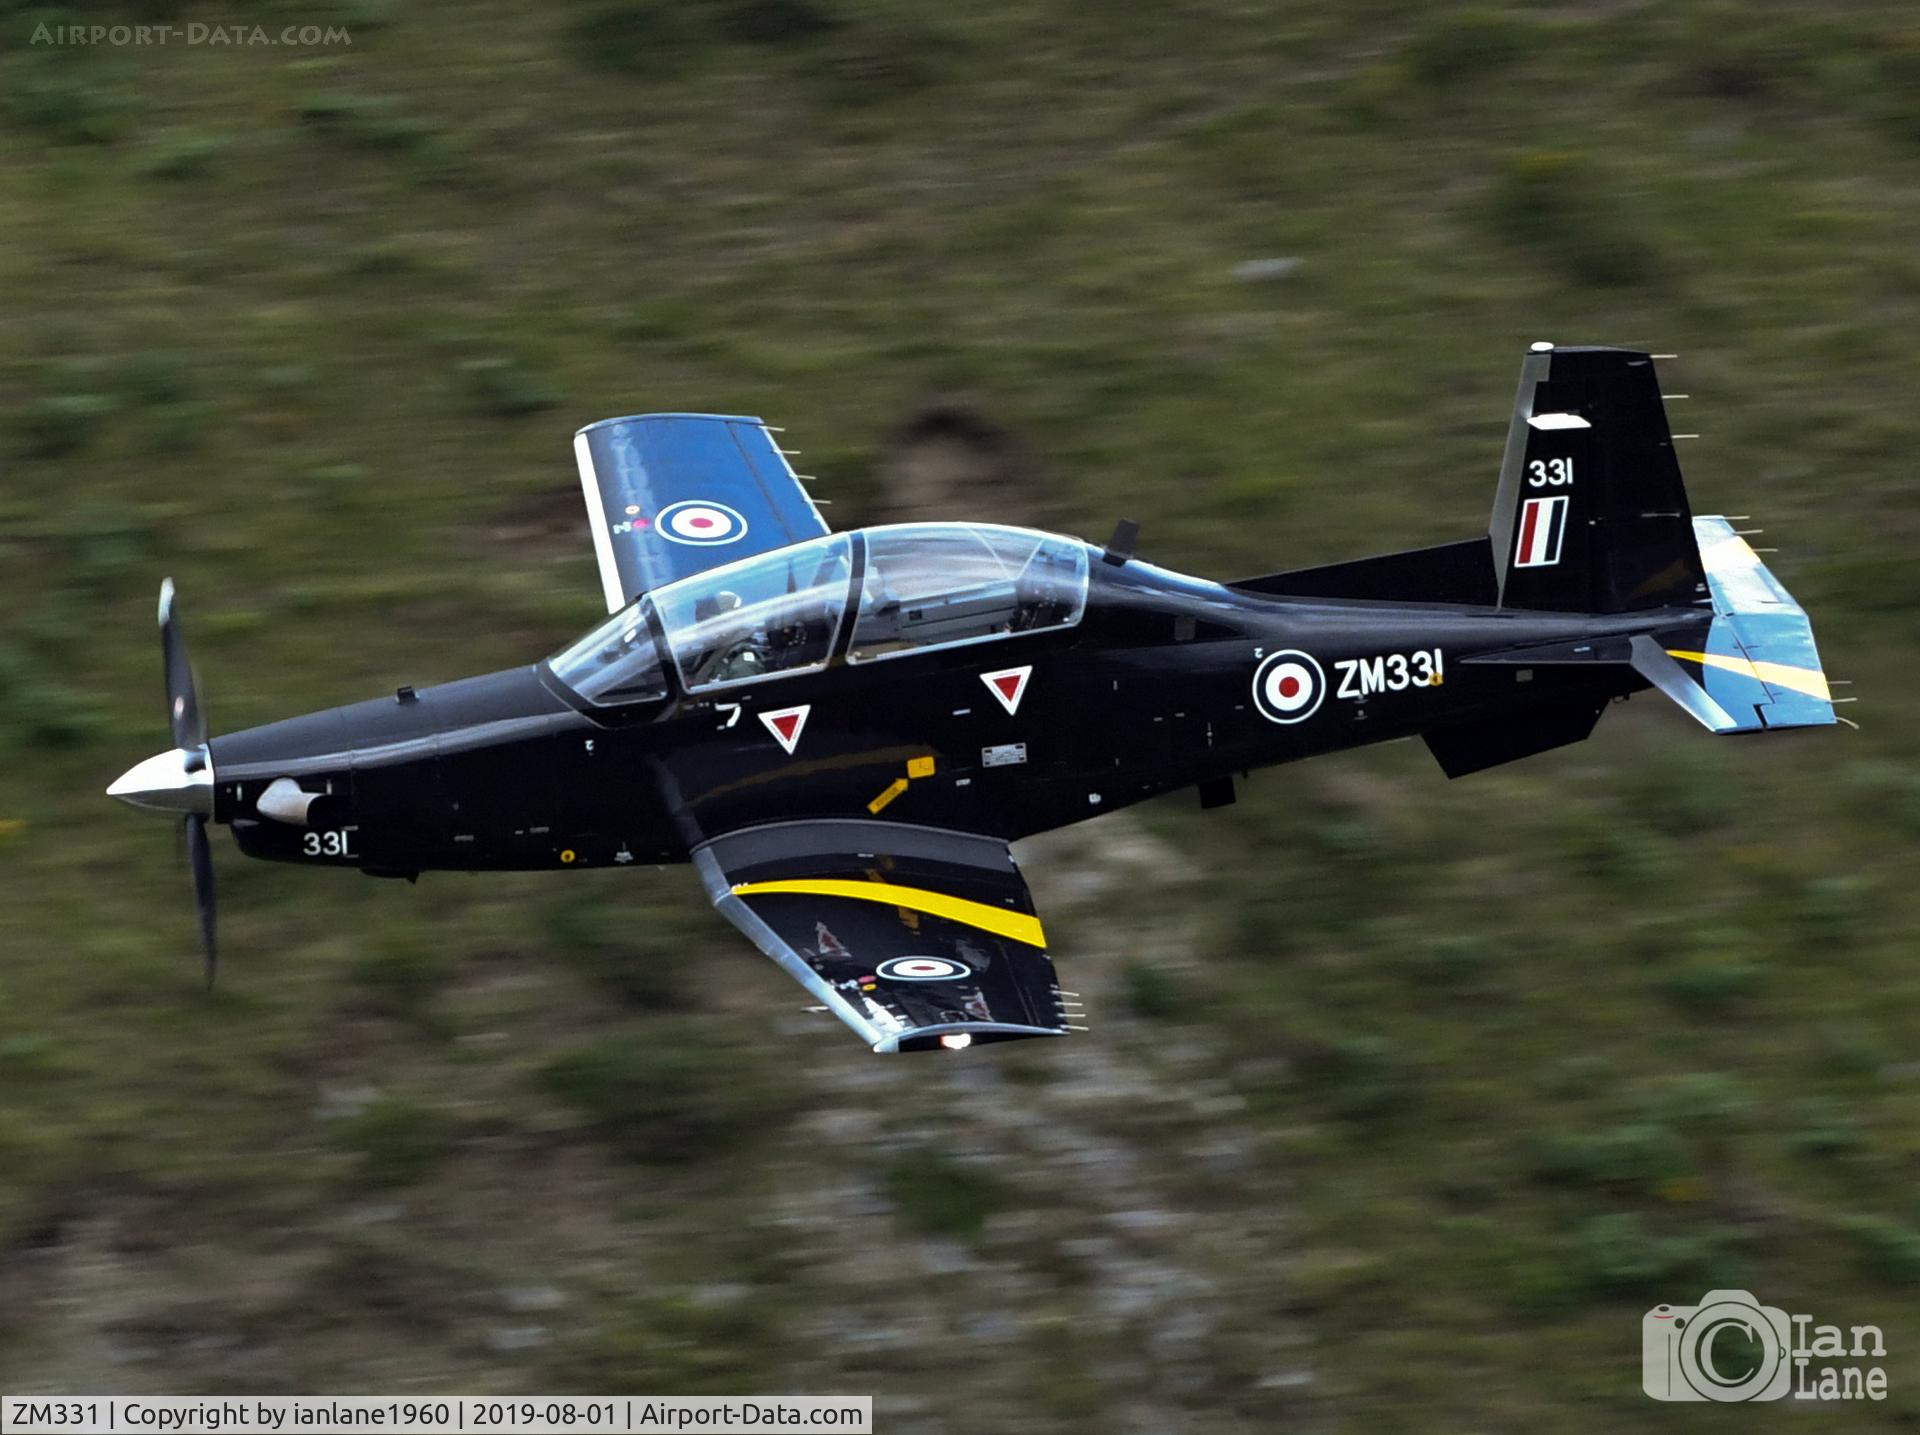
(1518, 1056)
(668, 1092)
(937, 1195)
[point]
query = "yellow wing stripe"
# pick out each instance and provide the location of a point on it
(1810, 681)
(1002, 923)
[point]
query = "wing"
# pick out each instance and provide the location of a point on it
(915, 937)
(669, 495)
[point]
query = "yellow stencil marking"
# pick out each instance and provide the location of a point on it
(916, 767)
(1017, 926)
(1810, 681)
(891, 791)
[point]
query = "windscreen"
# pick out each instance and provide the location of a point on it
(617, 663)
(774, 615)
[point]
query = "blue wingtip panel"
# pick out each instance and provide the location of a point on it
(671, 495)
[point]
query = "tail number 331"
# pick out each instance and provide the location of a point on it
(1390, 673)
(338, 843)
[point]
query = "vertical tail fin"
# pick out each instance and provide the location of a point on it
(1591, 515)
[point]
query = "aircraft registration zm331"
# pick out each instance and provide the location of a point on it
(843, 732)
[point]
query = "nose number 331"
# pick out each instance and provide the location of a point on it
(328, 844)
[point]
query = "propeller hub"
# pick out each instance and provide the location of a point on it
(178, 780)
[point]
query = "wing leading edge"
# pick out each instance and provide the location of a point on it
(916, 938)
(671, 495)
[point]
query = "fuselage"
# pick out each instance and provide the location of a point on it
(1161, 682)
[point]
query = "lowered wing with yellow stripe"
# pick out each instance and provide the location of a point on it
(917, 938)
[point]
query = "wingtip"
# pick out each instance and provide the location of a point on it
(166, 600)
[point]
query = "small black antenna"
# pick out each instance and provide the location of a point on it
(1120, 547)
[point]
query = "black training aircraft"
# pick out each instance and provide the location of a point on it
(843, 732)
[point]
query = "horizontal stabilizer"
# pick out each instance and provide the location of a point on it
(1748, 665)
(1757, 660)
(1651, 661)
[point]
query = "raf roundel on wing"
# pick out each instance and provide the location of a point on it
(923, 969)
(700, 522)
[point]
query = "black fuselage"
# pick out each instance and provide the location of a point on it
(1153, 691)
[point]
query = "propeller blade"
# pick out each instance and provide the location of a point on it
(200, 851)
(184, 717)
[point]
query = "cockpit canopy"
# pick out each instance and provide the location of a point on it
(922, 586)
(937, 585)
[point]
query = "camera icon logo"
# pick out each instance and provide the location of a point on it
(1727, 1348)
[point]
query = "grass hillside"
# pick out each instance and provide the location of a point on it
(1404, 1098)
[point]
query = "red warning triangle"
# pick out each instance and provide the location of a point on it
(785, 725)
(1009, 685)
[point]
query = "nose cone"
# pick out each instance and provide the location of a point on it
(172, 781)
